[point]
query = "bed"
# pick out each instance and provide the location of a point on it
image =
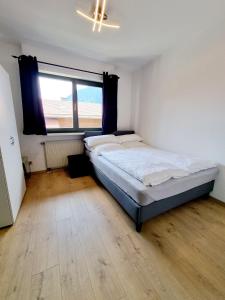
(143, 202)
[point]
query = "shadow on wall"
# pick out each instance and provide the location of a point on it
(219, 184)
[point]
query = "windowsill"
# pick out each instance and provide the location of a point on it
(66, 134)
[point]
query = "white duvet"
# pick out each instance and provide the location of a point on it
(152, 166)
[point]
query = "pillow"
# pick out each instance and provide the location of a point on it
(101, 139)
(123, 132)
(134, 144)
(106, 147)
(87, 147)
(129, 138)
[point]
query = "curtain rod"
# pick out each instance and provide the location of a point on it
(65, 67)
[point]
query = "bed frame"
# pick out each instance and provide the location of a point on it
(141, 214)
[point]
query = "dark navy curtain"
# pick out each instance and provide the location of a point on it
(33, 116)
(109, 117)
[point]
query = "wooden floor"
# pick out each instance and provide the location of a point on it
(72, 241)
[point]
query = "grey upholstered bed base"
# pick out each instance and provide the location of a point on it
(139, 213)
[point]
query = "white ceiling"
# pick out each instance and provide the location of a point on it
(148, 27)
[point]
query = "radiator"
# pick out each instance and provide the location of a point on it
(56, 152)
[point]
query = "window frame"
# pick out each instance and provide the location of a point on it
(74, 81)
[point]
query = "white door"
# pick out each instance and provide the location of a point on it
(9, 144)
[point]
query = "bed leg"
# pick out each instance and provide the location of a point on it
(138, 222)
(138, 227)
(206, 196)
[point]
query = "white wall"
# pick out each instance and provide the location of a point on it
(181, 100)
(11, 66)
(30, 145)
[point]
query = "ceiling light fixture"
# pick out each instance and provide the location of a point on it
(102, 15)
(99, 16)
(96, 14)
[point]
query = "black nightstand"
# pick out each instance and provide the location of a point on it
(78, 165)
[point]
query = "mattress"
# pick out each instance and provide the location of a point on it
(145, 195)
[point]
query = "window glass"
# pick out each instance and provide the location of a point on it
(70, 104)
(57, 102)
(89, 104)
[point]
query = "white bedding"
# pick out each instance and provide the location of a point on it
(145, 195)
(153, 166)
(105, 148)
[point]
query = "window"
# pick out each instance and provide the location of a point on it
(70, 104)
